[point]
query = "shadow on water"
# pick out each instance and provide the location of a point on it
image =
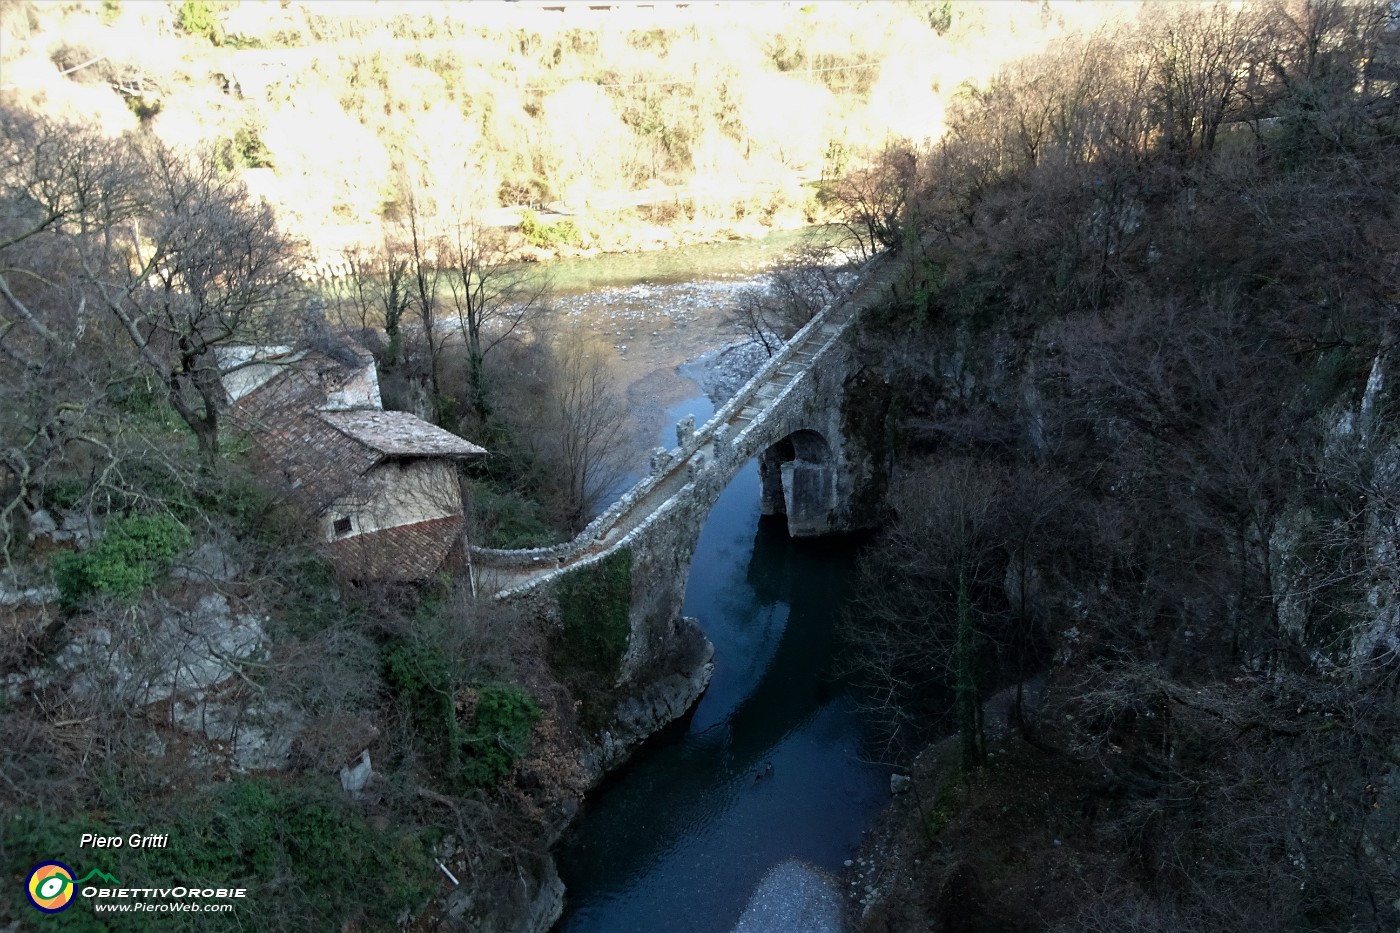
(681, 837)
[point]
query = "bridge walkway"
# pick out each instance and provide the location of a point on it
(513, 570)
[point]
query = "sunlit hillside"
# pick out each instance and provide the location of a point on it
(653, 123)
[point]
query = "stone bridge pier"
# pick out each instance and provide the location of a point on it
(798, 480)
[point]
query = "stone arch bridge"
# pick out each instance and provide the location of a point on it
(789, 416)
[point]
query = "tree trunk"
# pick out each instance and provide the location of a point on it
(965, 685)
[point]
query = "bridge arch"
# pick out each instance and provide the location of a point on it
(789, 417)
(797, 475)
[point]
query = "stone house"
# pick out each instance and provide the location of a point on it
(382, 485)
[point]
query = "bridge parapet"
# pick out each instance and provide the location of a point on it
(713, 433)
(790, 415)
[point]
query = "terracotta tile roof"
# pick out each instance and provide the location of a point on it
(406, 553)
(316, 463)
(322, 456)
(399, 434)
(307, 379)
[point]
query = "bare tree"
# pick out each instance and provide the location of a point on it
(1203, 60)
(584, 425)
(793, 293)
(198, 267)
(494, 296)
(374, 292)
(874, 201)
(56, 181)
(424, 267)
(923, 622)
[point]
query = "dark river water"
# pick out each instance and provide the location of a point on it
(681, 837)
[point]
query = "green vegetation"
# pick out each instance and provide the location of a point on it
(134, 552)
(594, 602)
(498, 735)
(511, 520)
(253, 833)
(422, 679)
(550, 235)
(201, 18)
(244, 150)
(144, 108)
(593, 606)
(948, 800)
(474, 756)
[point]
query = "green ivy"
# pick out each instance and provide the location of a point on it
(135, 551)
(595, 603)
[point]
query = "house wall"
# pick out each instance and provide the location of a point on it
(396, 492)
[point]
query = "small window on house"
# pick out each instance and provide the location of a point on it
(342, 526)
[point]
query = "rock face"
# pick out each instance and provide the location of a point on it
(540, 910)
(655, 703)
(1359, 450)
(548, 903)
(187, 657)
(658, 704)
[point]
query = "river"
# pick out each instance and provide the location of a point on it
(654, 312)
(679, 839)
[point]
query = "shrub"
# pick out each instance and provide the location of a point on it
(422, 680)
(245, 150)
(307, 856)
(498, 735)
(560, 233)
(467, 758)
(510, 520)
(144, 109)
(200, 18)
(135, 551)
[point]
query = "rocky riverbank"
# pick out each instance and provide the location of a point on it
(638, 717)
(722, 372)
(793, 898)
(641, 715)
(931, 854)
